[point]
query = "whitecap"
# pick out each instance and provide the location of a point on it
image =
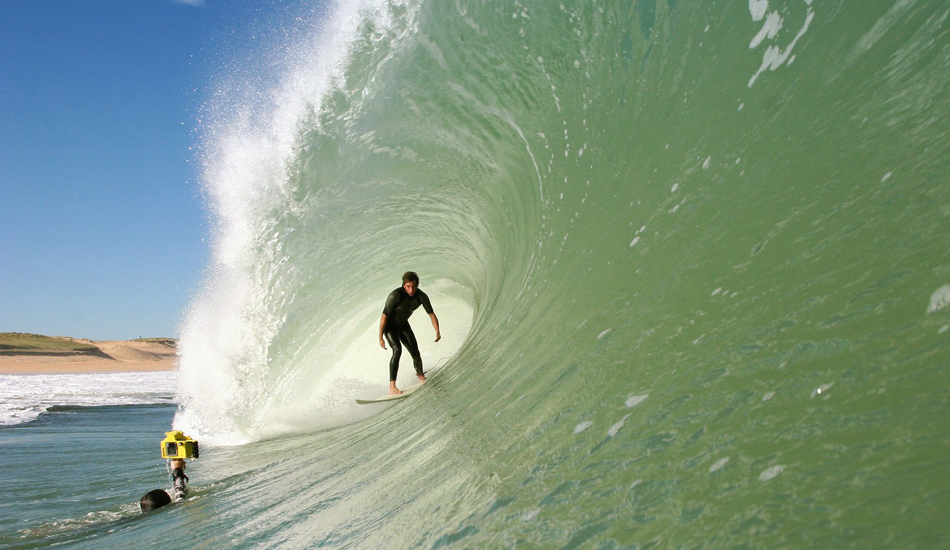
(939, 299)
(718, 465)
(773, 24)
(616, 427)
(771, 473)
(23, 397)
(634, 400)
(758, 8)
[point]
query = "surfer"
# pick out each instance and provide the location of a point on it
(394, 325)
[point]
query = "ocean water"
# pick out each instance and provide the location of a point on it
(77, 451)
(690, 260)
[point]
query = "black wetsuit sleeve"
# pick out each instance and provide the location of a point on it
(424, 298)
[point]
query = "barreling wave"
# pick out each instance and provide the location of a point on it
(689, 260)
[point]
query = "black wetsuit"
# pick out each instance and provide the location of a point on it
(399, 306)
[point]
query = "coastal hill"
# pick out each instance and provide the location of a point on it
(33, 353)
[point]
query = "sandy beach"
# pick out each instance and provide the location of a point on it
(113, 356)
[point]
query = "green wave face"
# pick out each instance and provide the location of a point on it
(690, 261)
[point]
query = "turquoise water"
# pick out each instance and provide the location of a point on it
(690, 260)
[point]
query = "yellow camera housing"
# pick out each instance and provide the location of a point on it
(178, 445)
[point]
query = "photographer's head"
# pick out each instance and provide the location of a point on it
(154, 499)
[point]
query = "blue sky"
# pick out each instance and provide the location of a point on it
(103, 232)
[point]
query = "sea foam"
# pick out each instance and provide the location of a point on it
(24, 397)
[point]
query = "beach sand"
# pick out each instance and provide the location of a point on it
(114, 356)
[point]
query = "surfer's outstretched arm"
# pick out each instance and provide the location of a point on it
(382, 327)
(435, 325)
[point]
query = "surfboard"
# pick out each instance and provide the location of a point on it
(406, 392)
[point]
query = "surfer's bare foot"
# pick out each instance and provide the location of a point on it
(422, 377)
(393, 390)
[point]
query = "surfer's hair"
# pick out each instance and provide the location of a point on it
(410, 276)
(156, 498)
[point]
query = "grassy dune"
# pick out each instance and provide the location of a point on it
(36, 344)
(17, 343)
